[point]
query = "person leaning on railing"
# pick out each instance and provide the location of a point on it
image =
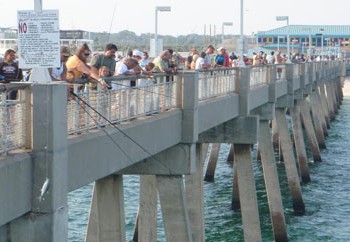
(10, 71)
(60, 73)
(77, 67)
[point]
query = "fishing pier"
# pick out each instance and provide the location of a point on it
(51, 145)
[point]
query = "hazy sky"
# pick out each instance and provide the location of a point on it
(186, 16)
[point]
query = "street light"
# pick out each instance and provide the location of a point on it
(241, 35)
(285, 18)
(161, 9)
(223, 25)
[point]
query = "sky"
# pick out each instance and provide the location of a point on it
(185, 17)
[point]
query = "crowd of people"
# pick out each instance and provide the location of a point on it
(84, 65)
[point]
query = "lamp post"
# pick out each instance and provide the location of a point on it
(241, 33)
(285, 18)
(161, 9)
(223, 25)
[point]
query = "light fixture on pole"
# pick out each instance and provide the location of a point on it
(222, 31)
(161, 9)
(285, 18)
(241, 36)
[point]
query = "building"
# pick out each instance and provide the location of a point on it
(319, 39)
(70, 38)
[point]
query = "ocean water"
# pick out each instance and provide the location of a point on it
(326, 197)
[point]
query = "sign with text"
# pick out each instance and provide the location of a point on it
(38, 39)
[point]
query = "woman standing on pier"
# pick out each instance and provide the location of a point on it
(77, 67)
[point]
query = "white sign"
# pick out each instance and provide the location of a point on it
(38, 39)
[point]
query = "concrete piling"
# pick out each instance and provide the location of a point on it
(213, 158)
(299, 144)
(330, 103)
(272, 183)
(230, 155)
(324, 103)
(174, 208)
(246, 183)
(235, 203)
(147, 214)
(323, 114)
(316, 117)
(195, 195)
(310, 133)
(290, 163)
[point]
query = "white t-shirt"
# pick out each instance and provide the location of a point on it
(57, 72)
(199, 63)
(120, 69)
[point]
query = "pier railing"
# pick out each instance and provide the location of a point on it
(92, 108)
(14, 117)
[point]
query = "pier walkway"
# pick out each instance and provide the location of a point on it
(50, 146)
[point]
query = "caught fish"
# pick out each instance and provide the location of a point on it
(44, 188)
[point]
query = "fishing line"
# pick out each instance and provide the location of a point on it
(105, 131)
(164, 95)
(120, 130)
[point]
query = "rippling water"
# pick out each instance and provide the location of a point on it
(326, 197)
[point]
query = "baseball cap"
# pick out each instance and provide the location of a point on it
(137, 53)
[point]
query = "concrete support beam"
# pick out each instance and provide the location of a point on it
(265, 112)
(316, 117)
(147, 215)
(4, 233)
(290, 162)
(235, 203)
(248, 200)
(177, 160)
(213, 159)
(272, 183)
(336, 91)
(48, 218)
(243, 130)
(195, 195)
(107, 220)
(272, 78)
(189, 107)
(174, 208)
(309, 129)
(299, 144)
(230, 156)
(288, 99)
(334, 96)
(324, 103)
(243, 88)
(323, 115)
(330, 103)
(92, 233)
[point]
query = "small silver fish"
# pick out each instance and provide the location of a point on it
(44, 188)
